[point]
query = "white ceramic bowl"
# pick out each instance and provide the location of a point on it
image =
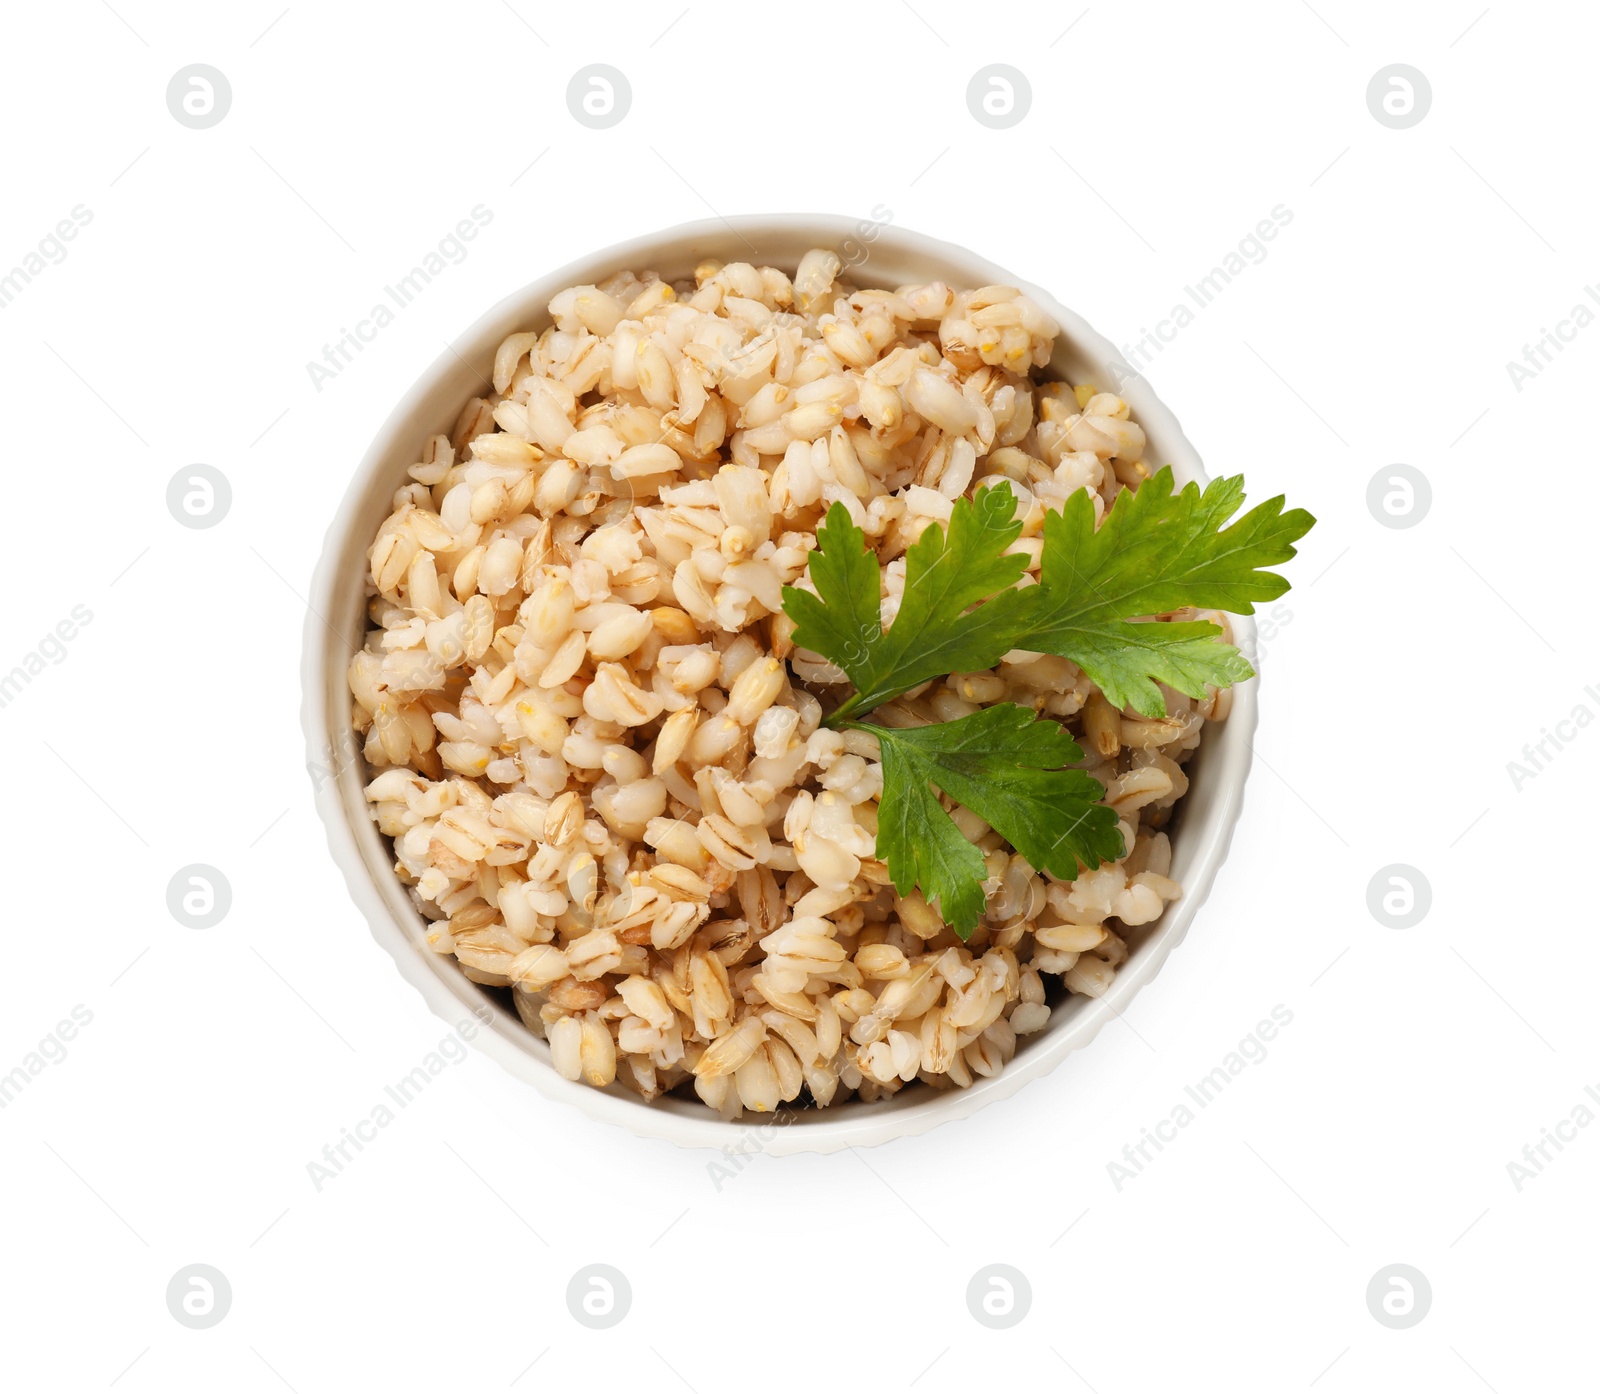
(895, 257)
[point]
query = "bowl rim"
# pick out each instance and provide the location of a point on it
(358, 849)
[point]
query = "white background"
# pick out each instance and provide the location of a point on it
(1417, 663)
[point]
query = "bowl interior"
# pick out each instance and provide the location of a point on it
(877, 256)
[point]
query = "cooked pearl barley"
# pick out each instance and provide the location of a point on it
(605, 784)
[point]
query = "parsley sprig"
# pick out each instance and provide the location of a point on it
(1156, 551)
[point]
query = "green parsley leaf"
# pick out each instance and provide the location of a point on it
(1099, 589)
(935, 632)
(1010, 770)
(1155, 551)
